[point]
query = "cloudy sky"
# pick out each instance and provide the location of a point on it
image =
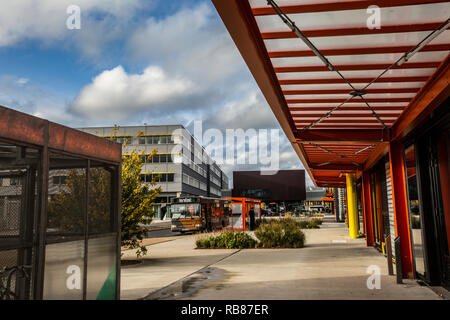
(132, 62)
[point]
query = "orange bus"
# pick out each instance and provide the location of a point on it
(199, 214)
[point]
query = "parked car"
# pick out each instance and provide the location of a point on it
(316, 209)
(299, 209)
(267, 212)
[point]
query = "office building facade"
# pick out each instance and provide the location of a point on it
(180, 166)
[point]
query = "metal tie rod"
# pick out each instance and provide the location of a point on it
(408, 55)
(291, 24)
(335, 153)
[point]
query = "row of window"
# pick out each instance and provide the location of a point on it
(215, 191)
(59, 180)
(214, 180)
(157, 177)
(13, 181)
(194, 182)
(186, 142)
(158, 158)
(313, 203)
(215, 170)
(163, 139)
(157, 140)
(197, 168)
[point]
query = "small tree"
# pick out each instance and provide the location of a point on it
(137, 200)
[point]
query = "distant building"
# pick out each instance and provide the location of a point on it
(314, 197)
(181, 166)
(285, 185)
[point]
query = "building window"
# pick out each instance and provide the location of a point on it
(121, 140)
(15, 181)
(157, 177)
(163, 139)
(59, 180)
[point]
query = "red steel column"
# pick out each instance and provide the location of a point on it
(244, 214)
(444, 169)
(367, 208)
(400, 202)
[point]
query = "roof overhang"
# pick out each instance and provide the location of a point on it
(300, 89)
(22, 128)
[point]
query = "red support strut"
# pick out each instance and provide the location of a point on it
(400, 202)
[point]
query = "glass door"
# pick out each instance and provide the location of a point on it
(376, 208)
(415, 218)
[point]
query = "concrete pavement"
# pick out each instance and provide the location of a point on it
(164, 264)
(331, 266)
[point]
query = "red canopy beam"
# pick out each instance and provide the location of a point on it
(352, 80)
(356, 51)
(332, 167)
(345, 108)
(352, 121)
(341, 126)
(359, 67)
(367, 135)
(340, 6)
(342, 115)
(351, 101)
(336, 32)
(344, 91)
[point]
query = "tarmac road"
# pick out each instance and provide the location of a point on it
(162, 233)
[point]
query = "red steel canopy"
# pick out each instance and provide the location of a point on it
(307, 97)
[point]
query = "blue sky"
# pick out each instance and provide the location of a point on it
(132, 62)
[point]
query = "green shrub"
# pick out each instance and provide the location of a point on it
(314, 223)
(227, 240)
(284, 233)
(259, 222)
(304, 224)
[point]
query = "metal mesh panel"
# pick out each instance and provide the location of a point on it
(8, 259)
(10, 204)
(17, 220)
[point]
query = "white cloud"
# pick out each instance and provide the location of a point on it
(22, 81)
(199, 69)
(192, 41)
(45, 21)
(248, 111)
(115, 94)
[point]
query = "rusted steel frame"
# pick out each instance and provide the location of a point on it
(340, 6)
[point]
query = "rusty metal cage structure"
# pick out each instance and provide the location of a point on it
(59, 211)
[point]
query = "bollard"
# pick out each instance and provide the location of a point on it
(389, 254)
(398, 261)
